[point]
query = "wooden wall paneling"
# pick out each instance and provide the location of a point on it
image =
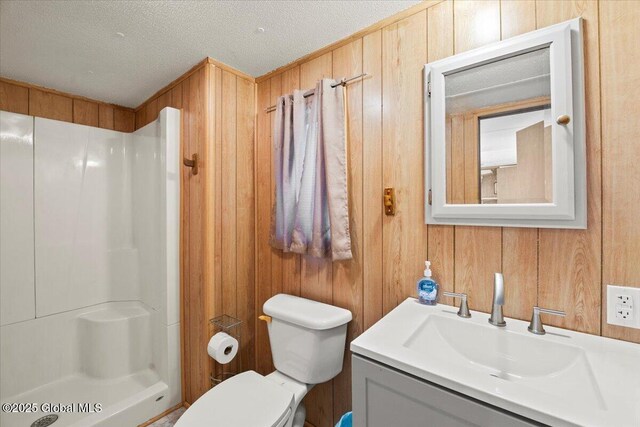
(520, 270)
(263, 222)
(141, 116)
(176, 96)
(347, 281)
(317, 274)
(50, 105)
(195, 110)
(189, 342)
(570, 260)
(291, 263)
(151, 111)
(372, 210)
(517, 17)
(404, 53)
(440, 237)
(105, 116)
(124, 120)
(519, 245)
(14, 98)
(164, 100)
(245, 218)
(216, 209)
(478, 250)
(85, 112)
(229, 202)
(476, 23)
(276, 254)
(620, 94)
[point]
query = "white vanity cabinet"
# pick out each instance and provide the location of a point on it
(385, 397)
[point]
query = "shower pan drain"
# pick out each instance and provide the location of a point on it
(45, 421)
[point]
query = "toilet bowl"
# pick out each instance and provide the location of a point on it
(307, 344)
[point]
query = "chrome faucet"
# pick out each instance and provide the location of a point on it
(497, 319)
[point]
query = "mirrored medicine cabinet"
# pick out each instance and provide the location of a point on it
(505, 133)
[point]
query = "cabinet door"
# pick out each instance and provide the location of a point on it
(383, 397)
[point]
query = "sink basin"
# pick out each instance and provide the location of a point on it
(563, 378)
(509, 356)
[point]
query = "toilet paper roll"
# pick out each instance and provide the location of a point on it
(222, 347)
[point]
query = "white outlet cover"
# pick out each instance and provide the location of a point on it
(615, 297)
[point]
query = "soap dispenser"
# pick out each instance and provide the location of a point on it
(427, 287)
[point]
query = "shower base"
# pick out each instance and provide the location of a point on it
(126, 401)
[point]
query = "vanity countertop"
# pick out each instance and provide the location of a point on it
(563, 378)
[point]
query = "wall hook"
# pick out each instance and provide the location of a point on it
(389, 201)
(193, 163)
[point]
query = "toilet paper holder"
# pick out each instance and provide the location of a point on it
(233, 327)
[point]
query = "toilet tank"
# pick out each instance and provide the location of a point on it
(307, 337)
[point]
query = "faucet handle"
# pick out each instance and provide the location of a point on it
(536, 326)
(464, 307)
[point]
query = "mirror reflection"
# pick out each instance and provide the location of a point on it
(499, 131)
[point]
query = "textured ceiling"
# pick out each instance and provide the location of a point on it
(73, 46)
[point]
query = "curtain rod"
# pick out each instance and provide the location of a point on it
(310, 92)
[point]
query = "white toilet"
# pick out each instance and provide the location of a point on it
(307, 343)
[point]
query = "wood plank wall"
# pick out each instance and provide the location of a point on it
(218, 210)
(25, 98)
(562, 269)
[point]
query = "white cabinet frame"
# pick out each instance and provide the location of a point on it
(569, 206)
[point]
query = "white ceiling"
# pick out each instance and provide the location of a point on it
(73, 46)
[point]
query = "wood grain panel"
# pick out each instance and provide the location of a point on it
(141, 116)
(569, 267)
(291, 263)
(478, 255)
(520, 270)
(105, 116)
(519, 245)
(620, 94)
(317, 274)
(124, 120)
(476, 23)
(85, 112)
(347, 281)
(517, 17)
(263, 222)
(404, 53)
(14, 98)
(50, 105)
(245, 217)
(228, 166)
(372, 178)
(151, 111)
(164, 100)
(441, 237)
(214, 208)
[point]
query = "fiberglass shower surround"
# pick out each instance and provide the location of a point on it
(89, 288)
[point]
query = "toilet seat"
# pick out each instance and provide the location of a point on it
(247, 399)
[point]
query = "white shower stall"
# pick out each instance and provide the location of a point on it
(89, 264)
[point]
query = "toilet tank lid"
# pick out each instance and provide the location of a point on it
(305, 312)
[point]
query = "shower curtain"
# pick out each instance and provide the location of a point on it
(311, 213)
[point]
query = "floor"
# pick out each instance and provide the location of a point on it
(169, 420)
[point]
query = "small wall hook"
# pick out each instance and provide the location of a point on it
(193, 163)
(389, 201)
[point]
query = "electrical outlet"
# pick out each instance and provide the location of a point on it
(625, 301)
(623, 306)
(623, 312)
